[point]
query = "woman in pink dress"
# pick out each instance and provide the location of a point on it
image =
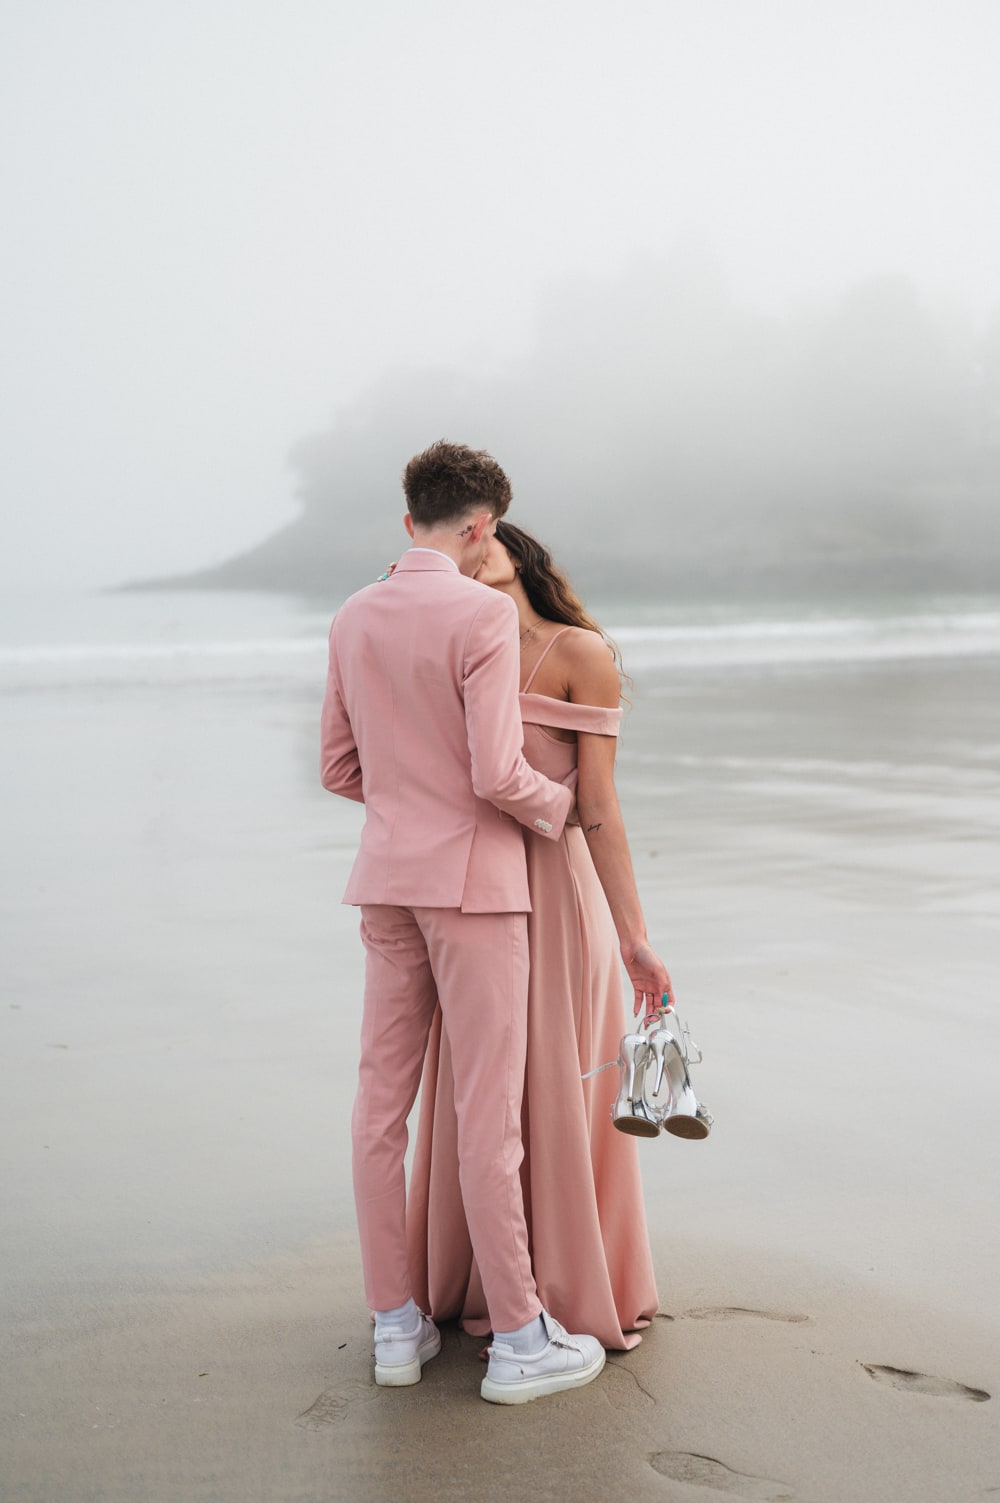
(581, 1181)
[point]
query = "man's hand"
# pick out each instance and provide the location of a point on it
(650, 978)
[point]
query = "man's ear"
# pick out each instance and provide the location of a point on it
(479, 527)
(408, 523)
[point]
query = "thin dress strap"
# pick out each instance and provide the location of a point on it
(543, 655)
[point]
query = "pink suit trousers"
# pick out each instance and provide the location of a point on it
(476, 964)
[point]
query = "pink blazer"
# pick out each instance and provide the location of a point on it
(421, 724)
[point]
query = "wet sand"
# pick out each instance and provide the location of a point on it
(817, 850)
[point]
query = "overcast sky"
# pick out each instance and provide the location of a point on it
(224, 218)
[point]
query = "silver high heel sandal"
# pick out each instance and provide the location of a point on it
(655, 1090)
(668, 1095)
(630, 1113)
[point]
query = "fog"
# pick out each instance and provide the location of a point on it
(737, 262)
(663, 435)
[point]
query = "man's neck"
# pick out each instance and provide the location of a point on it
(439, 540)
(422, 548)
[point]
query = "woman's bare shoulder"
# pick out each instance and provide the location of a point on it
(585, 659)
(581, 645)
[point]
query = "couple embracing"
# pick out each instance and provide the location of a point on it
(473, 706)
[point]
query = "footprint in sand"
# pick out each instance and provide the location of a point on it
(938, 1388)
(332, 1406)
(624, 1387)
(743, 1312)
(705, 1471)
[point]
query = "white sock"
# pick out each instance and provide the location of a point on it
(528, 1341)
(403, 1318)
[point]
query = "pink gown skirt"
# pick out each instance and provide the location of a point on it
(580, 1177)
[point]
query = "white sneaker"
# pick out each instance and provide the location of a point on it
(400, 1355)
(566, 1362)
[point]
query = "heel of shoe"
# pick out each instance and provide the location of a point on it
(629, 1112)
(683, 1115)
(399, 1375)
(413, 1352)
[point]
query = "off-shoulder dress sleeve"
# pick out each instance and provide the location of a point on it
(539, 709)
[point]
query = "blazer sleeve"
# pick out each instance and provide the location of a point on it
(500, 772)
(340, 766)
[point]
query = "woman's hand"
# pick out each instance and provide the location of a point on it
(650, 978)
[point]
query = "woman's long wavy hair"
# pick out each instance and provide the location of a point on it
(548, 590)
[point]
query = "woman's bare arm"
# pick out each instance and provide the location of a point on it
(591, 678)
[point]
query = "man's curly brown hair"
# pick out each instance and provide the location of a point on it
(448, 480)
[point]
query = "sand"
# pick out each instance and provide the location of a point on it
(817, 853)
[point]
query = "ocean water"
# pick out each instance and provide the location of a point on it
(59, 641)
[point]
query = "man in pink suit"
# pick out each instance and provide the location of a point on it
(421, 724)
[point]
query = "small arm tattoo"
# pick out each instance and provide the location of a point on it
(592, 827)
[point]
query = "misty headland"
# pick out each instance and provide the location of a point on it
(662, 437)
